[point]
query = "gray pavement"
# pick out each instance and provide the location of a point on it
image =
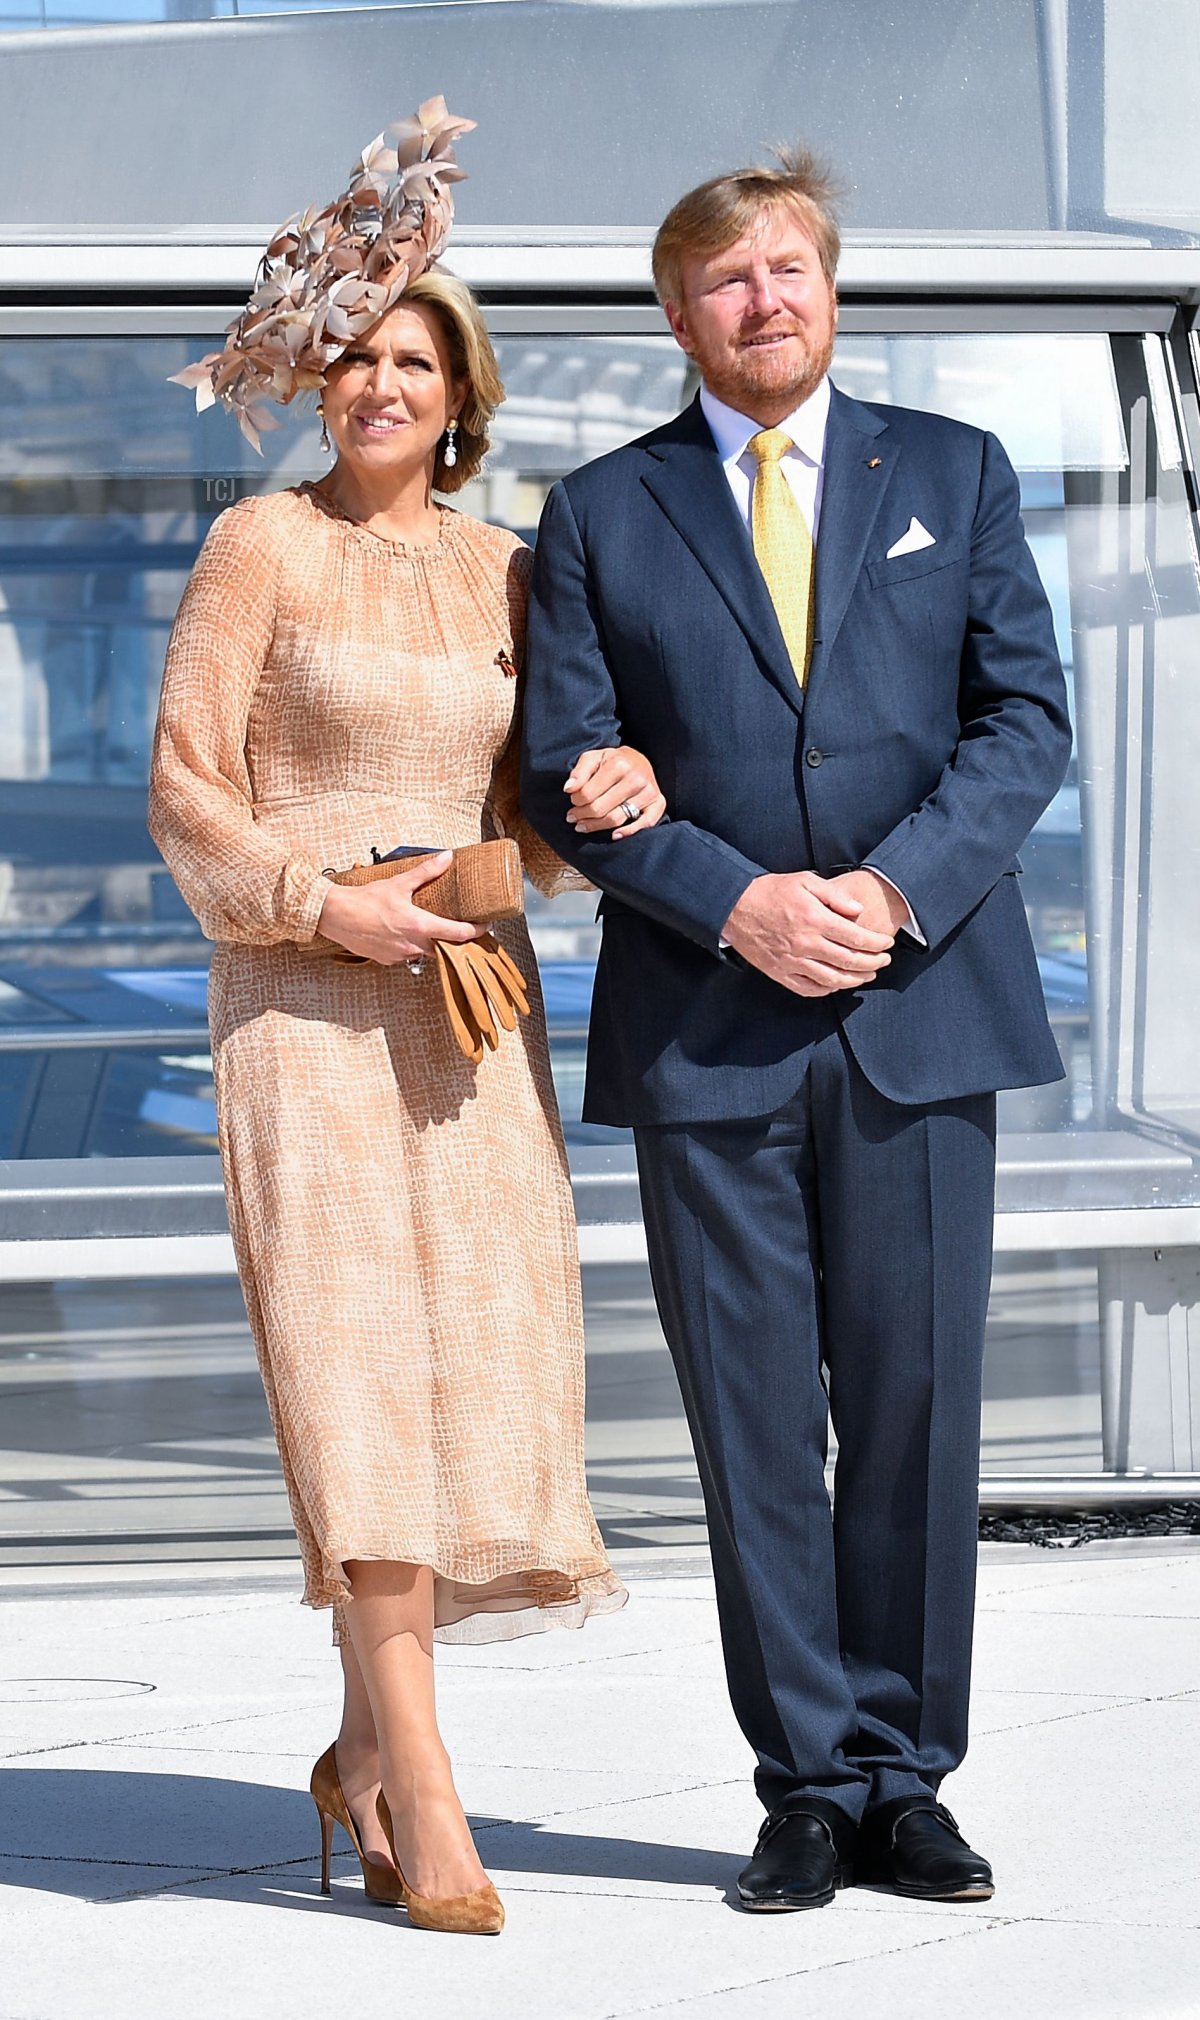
(157, 1729)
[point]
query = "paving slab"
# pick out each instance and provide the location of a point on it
(998, 1971)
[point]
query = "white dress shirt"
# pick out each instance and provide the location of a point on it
(803, 465)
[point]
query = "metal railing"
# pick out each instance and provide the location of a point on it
(102, 1037)
(45, 14)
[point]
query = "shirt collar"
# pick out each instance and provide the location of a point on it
(732, 431)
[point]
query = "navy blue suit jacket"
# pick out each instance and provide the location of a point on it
(932, 733)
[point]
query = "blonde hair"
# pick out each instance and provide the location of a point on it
(724, 209)
(471, 359)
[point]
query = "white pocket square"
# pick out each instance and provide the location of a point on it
(912, 541)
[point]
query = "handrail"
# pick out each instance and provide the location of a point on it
(151, 1038)
(105, 929)
(101, 1037)
(1083, 1493)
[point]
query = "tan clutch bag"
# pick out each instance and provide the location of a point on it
(482, 988)
(484, 883)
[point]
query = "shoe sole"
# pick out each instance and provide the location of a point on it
(940, 1894)
(784, 1907)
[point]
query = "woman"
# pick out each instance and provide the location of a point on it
(339, 677)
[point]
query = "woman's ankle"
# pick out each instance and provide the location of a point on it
(420, 1757)
(357, 1759)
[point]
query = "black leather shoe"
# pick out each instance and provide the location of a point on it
(802, 1857)
(917, 1848)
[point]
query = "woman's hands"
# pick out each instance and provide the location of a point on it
(380, 923)
(604, 784)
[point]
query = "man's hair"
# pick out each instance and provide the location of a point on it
(724, 209)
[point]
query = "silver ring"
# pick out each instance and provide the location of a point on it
(629, 810)
(416, 967)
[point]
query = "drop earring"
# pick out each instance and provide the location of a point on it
(326, 444)
(450, 452)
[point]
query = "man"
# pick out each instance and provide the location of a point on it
(814, 975)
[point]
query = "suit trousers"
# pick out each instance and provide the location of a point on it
(834, 1259)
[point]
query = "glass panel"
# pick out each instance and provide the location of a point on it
(108, 481)
(1053, 403)
(1041, 1367)
(134, 1421)
(1108, 519)
(135, 1426)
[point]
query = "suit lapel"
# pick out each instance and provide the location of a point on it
(859, 462)
(685, 476)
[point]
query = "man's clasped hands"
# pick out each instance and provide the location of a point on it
(814, 934)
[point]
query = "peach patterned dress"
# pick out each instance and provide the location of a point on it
(402, 1220)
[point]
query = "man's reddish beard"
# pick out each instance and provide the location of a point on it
(751, 373)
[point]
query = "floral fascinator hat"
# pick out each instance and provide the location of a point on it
(327, 275)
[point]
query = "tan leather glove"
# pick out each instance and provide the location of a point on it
(484, 992)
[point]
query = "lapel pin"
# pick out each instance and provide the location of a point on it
(874, 462)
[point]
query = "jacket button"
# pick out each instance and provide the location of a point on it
(814, 757)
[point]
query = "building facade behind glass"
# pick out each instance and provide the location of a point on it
(1030, 264)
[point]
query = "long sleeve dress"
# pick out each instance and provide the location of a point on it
(402, 1219)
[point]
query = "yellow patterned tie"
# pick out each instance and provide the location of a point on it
(783, 546)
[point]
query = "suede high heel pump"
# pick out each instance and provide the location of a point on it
(381, 1883)
(477, 1914)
